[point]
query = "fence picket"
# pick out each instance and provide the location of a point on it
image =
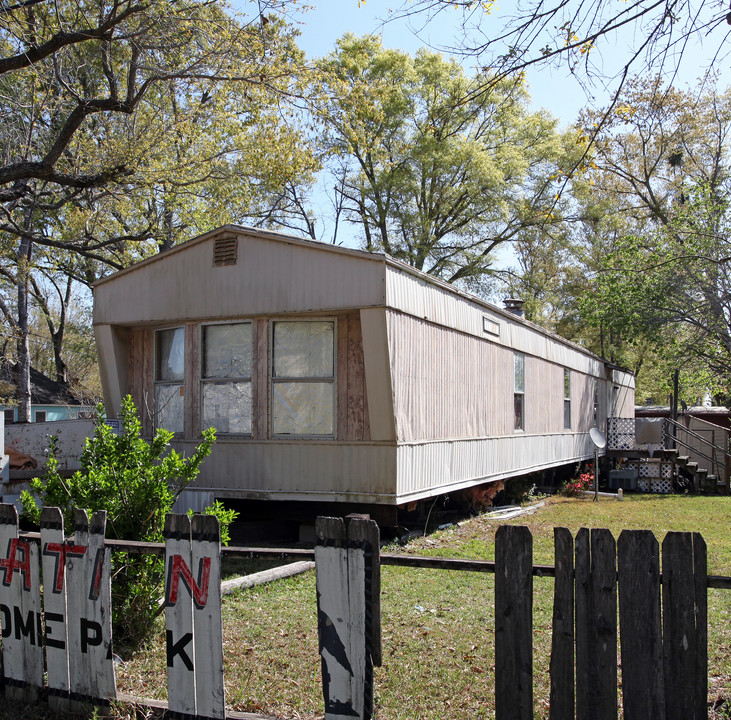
(700, 568)
(53, 559)
(207, 625)
(89, 612)
(562, 699)
(596, 625)
(638, 560)
(179, 637)
(684, 627)
(20, 610)
(348, 630)
(513, 623)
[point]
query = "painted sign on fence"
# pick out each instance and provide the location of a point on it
(71, 617)
(194, 641)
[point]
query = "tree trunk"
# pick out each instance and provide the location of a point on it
(22, 380)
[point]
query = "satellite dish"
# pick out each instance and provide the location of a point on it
(597, 437)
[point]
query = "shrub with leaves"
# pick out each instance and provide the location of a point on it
(585, 481)
(137, 482)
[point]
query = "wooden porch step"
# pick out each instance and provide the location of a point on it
(682, 459)
(691, 467)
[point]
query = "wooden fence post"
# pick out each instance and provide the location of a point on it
(348, 614)
(194, 646)
(685, 621)
(562, 702)
(20, 611)
(638, 561)
(596, 625)
(513, 623)
(53, 560)
(89, 612)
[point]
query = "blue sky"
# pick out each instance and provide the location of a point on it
(554, 89)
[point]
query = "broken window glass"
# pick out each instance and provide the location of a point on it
(170, 355)
(170, 407)
(227, 353)
(227, 407)
(169, 376)
(302, 408)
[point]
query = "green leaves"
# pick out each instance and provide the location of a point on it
(436, 167)
(137, 483)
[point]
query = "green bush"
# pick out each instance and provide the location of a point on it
(137, 483)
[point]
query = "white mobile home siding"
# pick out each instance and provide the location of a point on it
(423, 383)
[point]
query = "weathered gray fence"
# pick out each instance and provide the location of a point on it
(600, 586)
(71, 619)
(663, 621)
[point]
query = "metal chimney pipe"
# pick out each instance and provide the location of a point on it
(515, 306)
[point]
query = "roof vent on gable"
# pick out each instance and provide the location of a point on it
(225, 251)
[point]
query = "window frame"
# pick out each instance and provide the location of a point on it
(204, 381)
(566, 399)
(158, 382)
(518, 392)
(331, 380)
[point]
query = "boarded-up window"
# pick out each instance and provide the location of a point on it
(169, 379)
(519, 391)
(303, 378)
(566, 399)
(226, 396)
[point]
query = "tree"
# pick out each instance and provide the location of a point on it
(114, 143)
(657, 222)
(433, 170)
(640, 37)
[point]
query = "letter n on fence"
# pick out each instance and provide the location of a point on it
(348, 614)
(194, 637)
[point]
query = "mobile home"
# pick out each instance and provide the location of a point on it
(339, 375)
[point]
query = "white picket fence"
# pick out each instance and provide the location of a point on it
(67, 617)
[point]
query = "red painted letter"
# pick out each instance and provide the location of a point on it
(179, 568)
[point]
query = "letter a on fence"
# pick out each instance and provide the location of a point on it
(348, 614)
(20, 611)
(194, 638)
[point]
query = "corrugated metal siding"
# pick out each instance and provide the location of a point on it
(448, 384)
(418, 297)
(445, 383)
(271, 276)
(302, 470)
(623, 404)
(439, 467)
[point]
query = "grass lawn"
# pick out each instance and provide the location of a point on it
(438, 625)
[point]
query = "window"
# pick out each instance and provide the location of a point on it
(567, 399)
(40, 416)
(596, 402)
(169, 379)
(226, 371)
(519, 391)
(303, 378)
(9, 416)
